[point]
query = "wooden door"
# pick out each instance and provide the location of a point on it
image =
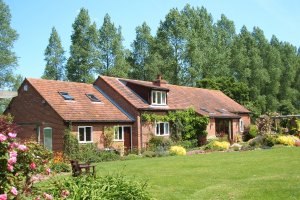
(127, 138)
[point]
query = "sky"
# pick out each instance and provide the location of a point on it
(34, 19)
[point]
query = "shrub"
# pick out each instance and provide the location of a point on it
(60, 167)
(71, 144)
(149, 154)
(286, 140)
(90, 188)
(218, 146)
(160, 152)
(108, 134)
(131, 157)
(188, 144)
(253, 131)
(177, 150)
(157, 142)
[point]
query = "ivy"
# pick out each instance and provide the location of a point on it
(186, 124)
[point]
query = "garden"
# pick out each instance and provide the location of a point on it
(260, 164)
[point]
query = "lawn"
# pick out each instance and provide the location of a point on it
(259, 174)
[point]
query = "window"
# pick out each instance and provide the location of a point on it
(241, 125)
(85, 134)
(93, 98)
(119, 133)
(66, 96)
(162, 128)
(159, 97)
(25, 88)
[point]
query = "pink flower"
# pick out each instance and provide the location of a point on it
(12, 135)
(3, 196)
(47, 196)
(13, 145)
(22, 147)
(48, 171)
(37, 198)
(65, 193)
(2, 137)
(14, 191)
(12, 161)
(32, 166)
(13, 154)
(10, 168)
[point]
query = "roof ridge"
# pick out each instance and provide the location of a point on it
(58, 81)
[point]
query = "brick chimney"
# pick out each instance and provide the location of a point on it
(159, 81)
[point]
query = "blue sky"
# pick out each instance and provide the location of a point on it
(33, 20)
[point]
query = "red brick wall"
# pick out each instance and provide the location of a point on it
(211, 128)
(246, 119)
(121, 101)
(28, 107)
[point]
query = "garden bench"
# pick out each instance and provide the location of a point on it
(77, 169)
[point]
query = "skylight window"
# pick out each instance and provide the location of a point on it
(66, 96)
(93, 98)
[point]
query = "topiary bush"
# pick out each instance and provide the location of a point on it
(177, 150)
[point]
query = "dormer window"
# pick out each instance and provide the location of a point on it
(66, 96)
(93, 98)
(158, 97)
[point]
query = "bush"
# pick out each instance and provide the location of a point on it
(149, 154)
(131, 157)
(90, 188)
(287, 140)
(158, 142)
(217, 146)
(160, 152)
(60, 167)
(188, 144)
(177, 150)
(71, 144)
(253, 131)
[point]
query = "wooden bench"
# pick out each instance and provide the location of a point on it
(77, 169)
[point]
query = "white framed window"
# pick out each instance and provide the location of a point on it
(158, 97)
(241, 125)
(119, 133)
(85, 134)
(162, 128)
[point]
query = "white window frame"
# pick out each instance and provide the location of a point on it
(84, 142)
(165, 133)
(117, 129)
(163, 101)
(241, 122)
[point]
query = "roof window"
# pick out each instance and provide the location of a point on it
(93, 98)
(66, 96)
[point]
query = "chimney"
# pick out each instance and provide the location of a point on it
(159, 81)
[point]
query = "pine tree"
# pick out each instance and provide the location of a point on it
(81, 63)
(112, 54)
(55, 58)
(8, 59)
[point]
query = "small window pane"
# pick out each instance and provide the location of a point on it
(163, 98)
(162, 128)
(158, 97)
(153, 97)
(157, 129)
(81, 134)
(88, 134)
(166, 128)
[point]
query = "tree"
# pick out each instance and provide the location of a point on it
(8, 59)
(142, 56)
(81, 62)
(54, 57)
(112, 54)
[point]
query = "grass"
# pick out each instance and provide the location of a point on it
(261, 174)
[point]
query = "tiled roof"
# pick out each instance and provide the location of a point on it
(82, 108)
(213, 103)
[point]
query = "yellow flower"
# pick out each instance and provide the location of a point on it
(177, 150)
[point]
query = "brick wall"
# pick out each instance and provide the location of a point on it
(29, 107)
(211, 128)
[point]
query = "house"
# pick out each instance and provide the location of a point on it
(45, 108)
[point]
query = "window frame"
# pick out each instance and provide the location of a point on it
(242, 126)
(64, 94)
(117, 128)
(166, 124)
(93, 98)
(78, 135)
(158, 95)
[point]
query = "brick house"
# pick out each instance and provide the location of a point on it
(45, 108)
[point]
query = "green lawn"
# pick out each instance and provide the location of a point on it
(261, 174)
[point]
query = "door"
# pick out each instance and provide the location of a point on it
(48, 138)
(127, 138)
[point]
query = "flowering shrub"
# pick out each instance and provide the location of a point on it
(18, 162)
(287, 140)
(218, 146)
(177, 150)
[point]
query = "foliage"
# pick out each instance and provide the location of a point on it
(105, 187)
(18, 162)
(294, 126)
(71, 144)
(157, 141)
(55, 58)
(59, 163)
(149, 154)
(131, 157)
(177, 150)
(108, 134)
(188, 144)
(287, 140)
(264, 124)
(253, 130)
(186, 124)
(217, 146)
